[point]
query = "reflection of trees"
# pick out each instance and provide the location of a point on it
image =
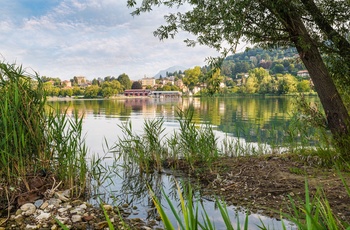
(263, 119)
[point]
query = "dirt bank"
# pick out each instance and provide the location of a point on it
(263, 183)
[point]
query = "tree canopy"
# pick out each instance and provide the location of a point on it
(314, 27)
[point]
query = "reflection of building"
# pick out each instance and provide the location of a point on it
(137, 92)
(165, 94)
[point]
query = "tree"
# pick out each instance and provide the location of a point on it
(313, 27)
(304, 86)
(214, 80)
(192, 76)
(92, 91)
(124, 81)
(136, 85)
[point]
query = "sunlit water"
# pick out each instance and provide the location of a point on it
(253, 120)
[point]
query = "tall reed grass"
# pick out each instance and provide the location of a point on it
(150, 150)
(33, 137)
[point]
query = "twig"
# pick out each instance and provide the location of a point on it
(8, 207)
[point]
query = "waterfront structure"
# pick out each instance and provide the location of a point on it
(165, 94)
(136, 92)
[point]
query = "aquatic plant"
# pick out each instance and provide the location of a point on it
(35, 140)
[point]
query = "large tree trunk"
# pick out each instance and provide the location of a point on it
(336, 113)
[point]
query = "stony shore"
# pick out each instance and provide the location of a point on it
(46, 214)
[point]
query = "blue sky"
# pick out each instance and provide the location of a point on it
(92, 38)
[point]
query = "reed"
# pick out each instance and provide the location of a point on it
(314, 212)
(188, 218)
(35, 139)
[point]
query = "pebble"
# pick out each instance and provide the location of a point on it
(76, 218)
(28, 226)
(42, 213)
(43, 216)
(28, 209)
(108, 207)
(38, 203)
(55, 202)
(44, 205)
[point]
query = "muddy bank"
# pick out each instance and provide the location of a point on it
(264, 183)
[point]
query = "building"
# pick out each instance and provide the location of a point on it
(66, 84)
(303, 73)
(80, 80)
(136, 92)
(148, 81)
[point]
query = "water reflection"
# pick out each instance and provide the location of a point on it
(255, 119)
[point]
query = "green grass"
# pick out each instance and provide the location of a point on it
(34, 138)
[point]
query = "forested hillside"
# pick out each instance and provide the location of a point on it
(276, 61)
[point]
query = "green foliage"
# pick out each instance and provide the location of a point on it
(224, 24)
(188, 217)
(124, 81)
(136, 85)
(92, 91)
(314, 213)
(34, 137)
(192, 76)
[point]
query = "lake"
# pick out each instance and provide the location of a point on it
(255, 121)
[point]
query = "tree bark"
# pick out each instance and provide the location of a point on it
(336, 113)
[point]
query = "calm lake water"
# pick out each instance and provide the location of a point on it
(251, 119)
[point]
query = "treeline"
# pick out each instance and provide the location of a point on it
(106, 87)
(276, 61)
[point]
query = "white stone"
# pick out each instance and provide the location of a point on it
(64, 220)
(55, 202)
(107, 207)
(83, 206)
(76, 218)
(43, 216)
(32, 226)
(60, 210)
(28, 209)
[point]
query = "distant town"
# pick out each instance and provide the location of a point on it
(255, 71)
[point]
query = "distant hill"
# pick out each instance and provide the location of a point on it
(170, 70)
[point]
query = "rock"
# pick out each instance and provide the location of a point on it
(64, 220)
(54, 227)
(107, 207)
(101, 225)
(77, 210)
(60, 210)
(43, 216)
(125, 205)
(76, 218)
(28, 226)
(88, 218)
(146, 228)
(83, 206)
(38, 203)
(28, 209)
(55, 202)
(19, 219)
(44, 205)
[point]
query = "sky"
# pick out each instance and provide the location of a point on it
(91, 38)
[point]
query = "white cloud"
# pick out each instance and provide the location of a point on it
(95, 38)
